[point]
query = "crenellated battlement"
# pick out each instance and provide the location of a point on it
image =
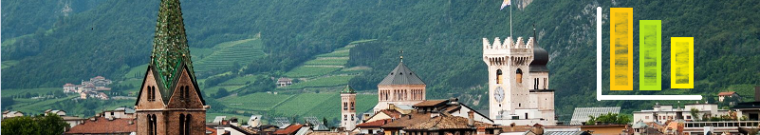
(509, 47)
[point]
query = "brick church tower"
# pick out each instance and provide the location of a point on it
(169, 101)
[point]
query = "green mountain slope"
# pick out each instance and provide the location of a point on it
(441, 41)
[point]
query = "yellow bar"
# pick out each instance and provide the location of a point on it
(682, 63)
(621, 48)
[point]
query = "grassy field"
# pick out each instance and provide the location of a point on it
(303, 103)
(321, 82)
(256, 101)
(137, 72)
(226, 54)
(11, 92)
(305, 71)
(331, 107)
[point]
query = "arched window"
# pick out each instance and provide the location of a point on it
(181, 124)
(187, 92)
(153, 125)
(345, 106)
(188, 125)
(352, 117)
(150, 93)
(518, 76)
(498, 76)
(352, 105)
(150, 122)
(345, 117)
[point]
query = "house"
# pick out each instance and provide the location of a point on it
(121, 112)
(57, 112)
(101, 125)
(616, 129)
(662, 113)
(284, 81)
(11, 114)
(382, 115)
(723, 95)
(290, 130)
(445, 123)
(68, 88)
(374, 127)
(224, 127)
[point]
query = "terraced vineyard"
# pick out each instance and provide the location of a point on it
(226, 54)
(322, 65)
(322, 82)
(255, 101)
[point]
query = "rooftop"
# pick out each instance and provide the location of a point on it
(401, 75)
(102, 125)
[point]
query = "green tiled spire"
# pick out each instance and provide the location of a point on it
(170, 47)
(348, 90)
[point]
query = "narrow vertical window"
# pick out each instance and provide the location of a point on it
(498, 76)
(188, 124)
(518, 76)
(181, 124)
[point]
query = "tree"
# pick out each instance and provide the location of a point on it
(51, 124)
(609, 118)
(324, 121)
(221, 93)
(694, 114)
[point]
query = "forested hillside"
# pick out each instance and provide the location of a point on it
(441, 40)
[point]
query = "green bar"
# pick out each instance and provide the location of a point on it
(650, 65)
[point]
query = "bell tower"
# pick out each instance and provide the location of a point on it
(348, 108)
(508, 83)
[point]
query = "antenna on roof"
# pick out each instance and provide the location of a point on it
(401, 55)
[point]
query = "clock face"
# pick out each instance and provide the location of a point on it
(498, 94)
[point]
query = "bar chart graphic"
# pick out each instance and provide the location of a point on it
(650, 58)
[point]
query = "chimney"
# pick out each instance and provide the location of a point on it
(131, 122)
(757, 93)
(470, 118)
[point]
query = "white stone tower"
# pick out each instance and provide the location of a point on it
(508, 83)
(348, 108)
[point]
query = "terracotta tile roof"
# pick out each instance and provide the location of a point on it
(727, 93)
(104, 126)
(373, 124)
(445, 121)
(211, 130)
(430, 103)
(392, 113)
(407, 121)
(289, 130)
(330, 133)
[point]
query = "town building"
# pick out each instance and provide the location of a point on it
(662, 113)
(518, 82)
(348, 108)
(120, 113)
(11, 114)
(101, 125)
(284, 81)
(401, 87)
(170, 101)
(722, 96)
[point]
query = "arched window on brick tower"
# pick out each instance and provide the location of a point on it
(188, 126)
(181, 124)
(518, 76)
(498, 76)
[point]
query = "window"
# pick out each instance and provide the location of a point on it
(688, 117)
(181, 124)
(352, 117)
(546, 83)
(188, 125)
(498, 76)
(345, 117)
(352, 106)
(535, 83)
(518, 76)
(345, 106)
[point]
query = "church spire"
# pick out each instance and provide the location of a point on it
(170, 49)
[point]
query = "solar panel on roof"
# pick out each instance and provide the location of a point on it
(581, 114)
